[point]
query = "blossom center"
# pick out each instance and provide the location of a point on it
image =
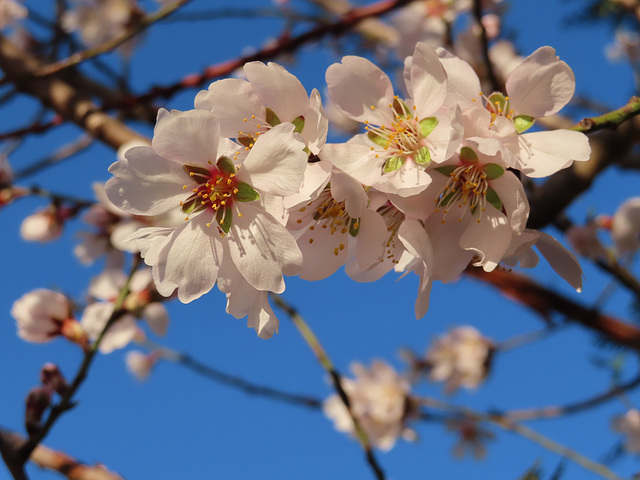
(467, 186)
(403, 138)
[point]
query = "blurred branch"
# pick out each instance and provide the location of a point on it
(59, 95)
(524, 431)
(347, 22)
(111, 44)
(556, 411)
(336, 378)
(231, 380)
(25, 450)
(60, 462)
(491, 76)
(65, 152)
(545, 301)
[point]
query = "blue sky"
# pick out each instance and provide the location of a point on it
(177, 425)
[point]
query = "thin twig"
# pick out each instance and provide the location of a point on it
(336, 378)
(491, 76)
(63, 153)
(610, 120)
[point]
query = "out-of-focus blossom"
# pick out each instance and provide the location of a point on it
(625, 228)
(584, 240)
(98, 21)
(140, 364)
(44, 314)
(629, 424)
(44, 225)
(461, 358)
(10, 12)
(380, 402)
(472, 438)
(626, 47)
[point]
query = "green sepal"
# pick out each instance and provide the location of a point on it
(246, 193)
(354, 227)
(225, 164)
(497, 101)
(245, 141)
(428, 125)
(522, 123)
(468, 155)
(298, 122)
(272, 118)
(224, 216)
(493, 199)
(446, 170)
(198, 174)
(193, 204)
(422, 157)
(392, 164)
(493, 171)
(377, 139)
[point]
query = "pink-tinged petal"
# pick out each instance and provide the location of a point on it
(544, 153)
(415, 239)
(106, 286)
(316, 124)
(514, 200)
(489, 239)
(450, 260)
(145, 183)
(520, 251)
(276, 163)
(188, 260)
(321, 252)
(462, 80)
(262, 319)
(563, 262)
(422, 205)
(95, 318)
(428, 81)
(316, 177)
(232, 100)
(344, 187)
(187, 137)
(280, 90)
(359, 161)
(409, 180)
(262, 249)
(123, 231)
(356, 85)
(372, 240)
(150, 241)
(541, 85)
(157, 318)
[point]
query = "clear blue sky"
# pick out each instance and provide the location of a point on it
(178, 426)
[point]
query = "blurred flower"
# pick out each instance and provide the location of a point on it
(626, 47)
(140, 364)
(44, 225)
(461, 358)
(380, 402)
(471, 438)
(629, 424)
(44, 314)
(10, 12)
(584, 240)
(625, 228)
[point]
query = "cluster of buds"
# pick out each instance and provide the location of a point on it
(39, 398)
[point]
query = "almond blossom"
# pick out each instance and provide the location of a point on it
(403, 136)
(227, 196)
(625, 228)
(379, 400)
(10, 12)
(629, 424)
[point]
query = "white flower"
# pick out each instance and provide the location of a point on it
(140, 364)
(625, 227)
(584, 240)
(227, 196)
(43, 314)
(10, 12)
(629, 424)
(404, 136)
(43, 226)
(379, 401)
(460, 358)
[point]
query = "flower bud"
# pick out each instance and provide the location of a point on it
(43, 226)
(38, 401)
(51, 377)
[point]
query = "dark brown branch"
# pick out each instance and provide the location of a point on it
(491, 76)
(545, 302)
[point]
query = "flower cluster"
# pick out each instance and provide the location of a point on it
(431, 186)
